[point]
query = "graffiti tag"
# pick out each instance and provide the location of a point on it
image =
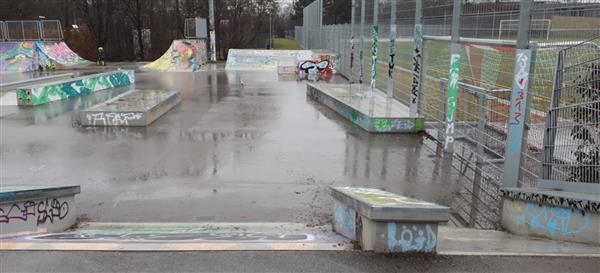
(417, 60)
(521, 79)
(112, 118)
(452, 98)
(553, 220)
(415, 239)
(40, 210)
(388, 125)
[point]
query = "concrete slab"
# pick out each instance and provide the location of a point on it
(184, 237)
(381, 205)
(35, 209)
(63, 89)
(374, 113)
(132, 108)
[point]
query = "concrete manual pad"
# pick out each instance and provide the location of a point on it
(381, 205)
(132, 108)
(184, 237)
(371, 110)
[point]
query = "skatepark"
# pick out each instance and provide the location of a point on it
(299, 150)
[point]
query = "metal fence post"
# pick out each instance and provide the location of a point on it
(418, 71)
(352, 22)
(361, 56)
(453, 78)
(519, 108)
(375, 44)
(391, 64)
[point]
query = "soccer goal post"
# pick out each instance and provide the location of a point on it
(540, 27)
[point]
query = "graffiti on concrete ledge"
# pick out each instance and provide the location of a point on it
(542, 198)
(314, 70)
(411, 239)
(553, 220)
(76, 87)
(41, 211)
(112, 118)
(389, 125)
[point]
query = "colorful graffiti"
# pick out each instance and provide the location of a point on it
(420, 238)
(182, 56)
(17, 56)
(452, 100)
(554, 220)
(51, 54)
(393, 125)
(42, 94)
(256, 59)
(320, 68)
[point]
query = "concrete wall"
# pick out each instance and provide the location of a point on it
(550, 221)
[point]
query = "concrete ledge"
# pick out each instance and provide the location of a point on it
(67, 88)
(37, 80)
(132, 108)
(35, 209)
(373, 114)
(385, 222)
(557, 215)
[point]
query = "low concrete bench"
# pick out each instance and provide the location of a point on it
(36, 209)
(557, 215)
(385, 222)
(67, 88)
(132, 108)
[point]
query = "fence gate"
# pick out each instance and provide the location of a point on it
(571, 159)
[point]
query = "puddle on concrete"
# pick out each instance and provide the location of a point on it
(260, 151)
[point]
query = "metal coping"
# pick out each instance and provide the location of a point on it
(18, 193)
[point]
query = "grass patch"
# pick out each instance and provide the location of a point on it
(285, 43)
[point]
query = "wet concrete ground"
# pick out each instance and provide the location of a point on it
(253, 152)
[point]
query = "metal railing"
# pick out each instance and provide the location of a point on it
(32, 30)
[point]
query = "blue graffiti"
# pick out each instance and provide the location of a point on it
(345, 221)
(552, 220)
(411, 239)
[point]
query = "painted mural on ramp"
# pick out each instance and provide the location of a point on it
(29, 56)
(51, 54)
(182, 56)
(17, 56)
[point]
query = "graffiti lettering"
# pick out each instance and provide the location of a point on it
(41, 210)
(112, 118)
(415, 239)
(388, 125)
(553, 220)
(521, 78)
(374, 50)
(452, 98)
(417, 61)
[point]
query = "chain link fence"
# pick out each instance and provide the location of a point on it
(572, 144)
(413, 53)
(32, 30)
